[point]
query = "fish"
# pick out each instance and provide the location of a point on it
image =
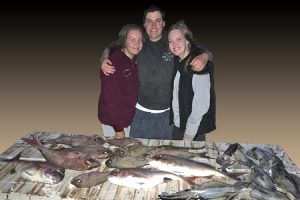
(65, 158)
(36, 171)
(136, 150)
(90, 179)
(175, 151)
(77, 140)
(201, 193)
(96, 151)
(284, 180)
(123, 142)
(261, 178)
(186, 167)
(140, 178)
(122, 162)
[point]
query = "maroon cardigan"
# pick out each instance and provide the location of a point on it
(119, 92)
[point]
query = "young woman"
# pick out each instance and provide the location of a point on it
(119, 90)
(193, 101)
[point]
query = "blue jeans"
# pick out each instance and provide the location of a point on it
(151, 125)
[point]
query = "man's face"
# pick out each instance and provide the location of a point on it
(154, 25)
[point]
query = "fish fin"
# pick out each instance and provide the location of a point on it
(15, 158)
(191, 180)
(34, 141)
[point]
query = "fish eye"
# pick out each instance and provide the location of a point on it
(109, 161)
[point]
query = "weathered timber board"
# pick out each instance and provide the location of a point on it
(12, 186)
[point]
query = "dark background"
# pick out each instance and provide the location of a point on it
(49, 62)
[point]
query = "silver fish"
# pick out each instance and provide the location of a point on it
(175, 151)
(201, 193)
(65, 158)
(89, 179)
(185, 167)
(140, 178)
(37, 171)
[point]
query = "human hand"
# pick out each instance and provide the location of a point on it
(188, 138)
(119, 134)
(107, 67)
(199, 62)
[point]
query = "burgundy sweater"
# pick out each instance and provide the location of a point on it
(119, 92)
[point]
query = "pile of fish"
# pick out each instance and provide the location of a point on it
(130, 163)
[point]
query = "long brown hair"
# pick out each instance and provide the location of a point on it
(187, 33)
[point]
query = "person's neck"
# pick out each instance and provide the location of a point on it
(155, 39)
(129, 55)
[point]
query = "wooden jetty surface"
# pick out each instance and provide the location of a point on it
(13, 187)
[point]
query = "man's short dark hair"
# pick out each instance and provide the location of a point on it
(154, 8)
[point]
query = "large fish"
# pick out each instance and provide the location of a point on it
(65, 158)
(186, 167)
(89, 179)
(140, 178)
(77, 140)
(36, 171)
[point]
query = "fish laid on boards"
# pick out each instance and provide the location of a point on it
(96, 151)
(36, 171)
(89, 179)
(65, 158)
(123, 142)
(140, 178)
(77, 140)
(186, 167)
(175, 151)
(122, 162)
(201, 193)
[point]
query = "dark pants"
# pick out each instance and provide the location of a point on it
(151, 125)
(178, 134)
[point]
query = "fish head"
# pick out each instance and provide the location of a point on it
(98, 140)
(52, 176)
(92, 162)
(77, 181)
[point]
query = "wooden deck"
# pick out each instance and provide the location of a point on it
(13, 187)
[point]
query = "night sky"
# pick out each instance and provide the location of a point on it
(49, 62)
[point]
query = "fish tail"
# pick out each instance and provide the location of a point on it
(15, 158)
(34, 142)
(191, 180)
